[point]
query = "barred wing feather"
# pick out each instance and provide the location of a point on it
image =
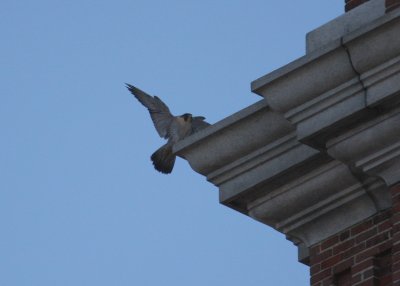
(159, 111)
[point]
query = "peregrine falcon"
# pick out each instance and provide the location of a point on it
(173, 128)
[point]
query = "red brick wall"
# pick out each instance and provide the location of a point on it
(396, 235)
(390, 4)
(367, 254)
(350, 4)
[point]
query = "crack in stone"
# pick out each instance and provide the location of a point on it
(356, 72)
(368, 181)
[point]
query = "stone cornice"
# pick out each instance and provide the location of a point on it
(344, 24)
(373, 148)
(319, 152)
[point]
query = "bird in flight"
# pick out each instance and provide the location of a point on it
(173, 128)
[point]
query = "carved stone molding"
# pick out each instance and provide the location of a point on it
(373, 148)
(319, 152)
(315, 205)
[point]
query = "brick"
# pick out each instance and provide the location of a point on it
(396, 228)
(321, 275)
(343, 246)
(344, 235)
(315, 269)
(384, 226)
(395, 198)
(395, 217)
(396, 266)
(396, 276)
(320, 257)
(392, 4)
(355, 279)
(362, 249)
(353, 4)
(396, 257)
(362, 227)
(396, 242)
(385, 246)
(328, 282)
(369, 282)
(331, 261)
(382, 216)
(385, 280)
(395, 189)
(360, 267)
(343, 278)
(342, 266)
(396, 208)
(383, 265)
(368, 273)
(395, 238)
(366, 234)
(377, 239)
(329, 242)
(369, 253)
(315, 250)
(354, 250)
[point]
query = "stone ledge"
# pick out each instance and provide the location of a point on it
(342, 86)
(344, 24)
(223, 143)
(307, 62)
(373, 148)
(306, 209)
(320, 151)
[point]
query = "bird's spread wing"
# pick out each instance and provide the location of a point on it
(198, 124)
(159, 111)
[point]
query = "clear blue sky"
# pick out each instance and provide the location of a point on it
(80, 203)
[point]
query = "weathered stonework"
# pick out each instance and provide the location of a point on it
(321, 150)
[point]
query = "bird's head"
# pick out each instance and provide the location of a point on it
(187, 117)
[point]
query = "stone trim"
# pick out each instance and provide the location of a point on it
(320, 151)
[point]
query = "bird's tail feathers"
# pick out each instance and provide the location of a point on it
(163, 159)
